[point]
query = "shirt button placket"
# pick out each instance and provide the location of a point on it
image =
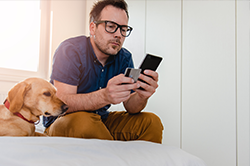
(102, 76)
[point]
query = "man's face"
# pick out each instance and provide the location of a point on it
(110, 43)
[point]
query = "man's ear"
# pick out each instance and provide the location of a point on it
(92, 27)
(16, 96)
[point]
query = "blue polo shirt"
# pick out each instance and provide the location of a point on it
(75, 63)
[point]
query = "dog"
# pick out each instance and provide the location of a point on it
(26, 102)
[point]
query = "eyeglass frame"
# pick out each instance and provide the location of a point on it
(118, 26)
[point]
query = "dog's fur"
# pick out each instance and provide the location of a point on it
(31, 98)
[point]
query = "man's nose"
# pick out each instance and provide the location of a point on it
(118, 34)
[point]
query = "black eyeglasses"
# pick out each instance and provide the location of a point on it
(111, 27)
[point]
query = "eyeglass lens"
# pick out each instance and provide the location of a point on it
(112, 28)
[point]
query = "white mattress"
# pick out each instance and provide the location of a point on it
(53, 151)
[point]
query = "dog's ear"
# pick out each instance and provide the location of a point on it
(16, 96)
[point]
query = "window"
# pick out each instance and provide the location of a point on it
(22, 35)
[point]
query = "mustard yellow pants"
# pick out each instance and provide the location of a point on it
(118, 126)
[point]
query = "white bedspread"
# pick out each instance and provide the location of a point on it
(58, 151)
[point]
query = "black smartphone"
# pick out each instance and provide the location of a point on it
(150, 62)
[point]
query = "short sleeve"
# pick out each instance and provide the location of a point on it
(66, 64)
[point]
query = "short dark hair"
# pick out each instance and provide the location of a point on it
(98, 7)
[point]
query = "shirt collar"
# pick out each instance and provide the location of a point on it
(110, 60)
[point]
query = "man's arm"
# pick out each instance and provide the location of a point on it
(68, 94)
(114, 93)
(138, 100)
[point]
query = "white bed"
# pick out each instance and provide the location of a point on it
(53, 151)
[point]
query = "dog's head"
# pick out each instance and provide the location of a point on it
(35, 97)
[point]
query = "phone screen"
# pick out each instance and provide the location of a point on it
(150, 62)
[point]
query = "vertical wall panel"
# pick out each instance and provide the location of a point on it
(209, 89)
(163, 38)
(135, 43)
(68, 21)
(243, 83)
(89, 4)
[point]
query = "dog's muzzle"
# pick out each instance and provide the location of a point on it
(64, 108)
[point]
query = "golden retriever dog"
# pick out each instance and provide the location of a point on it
(26, 102)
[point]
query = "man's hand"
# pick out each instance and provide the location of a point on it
(151, 85)
(117, 92)
(138, 100)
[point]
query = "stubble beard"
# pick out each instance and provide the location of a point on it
(105, 49)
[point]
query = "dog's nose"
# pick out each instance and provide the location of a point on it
(64, 108)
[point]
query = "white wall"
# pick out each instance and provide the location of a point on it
(243, 81)
(163, 38)
(203, 97)
(209, 80)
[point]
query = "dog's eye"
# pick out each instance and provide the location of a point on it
(46, 113)
(47, 94)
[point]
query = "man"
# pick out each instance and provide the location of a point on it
(88, 75)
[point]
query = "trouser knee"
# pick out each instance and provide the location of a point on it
(151, 120)
(142, 126)
(153, 127)
(80, 125)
